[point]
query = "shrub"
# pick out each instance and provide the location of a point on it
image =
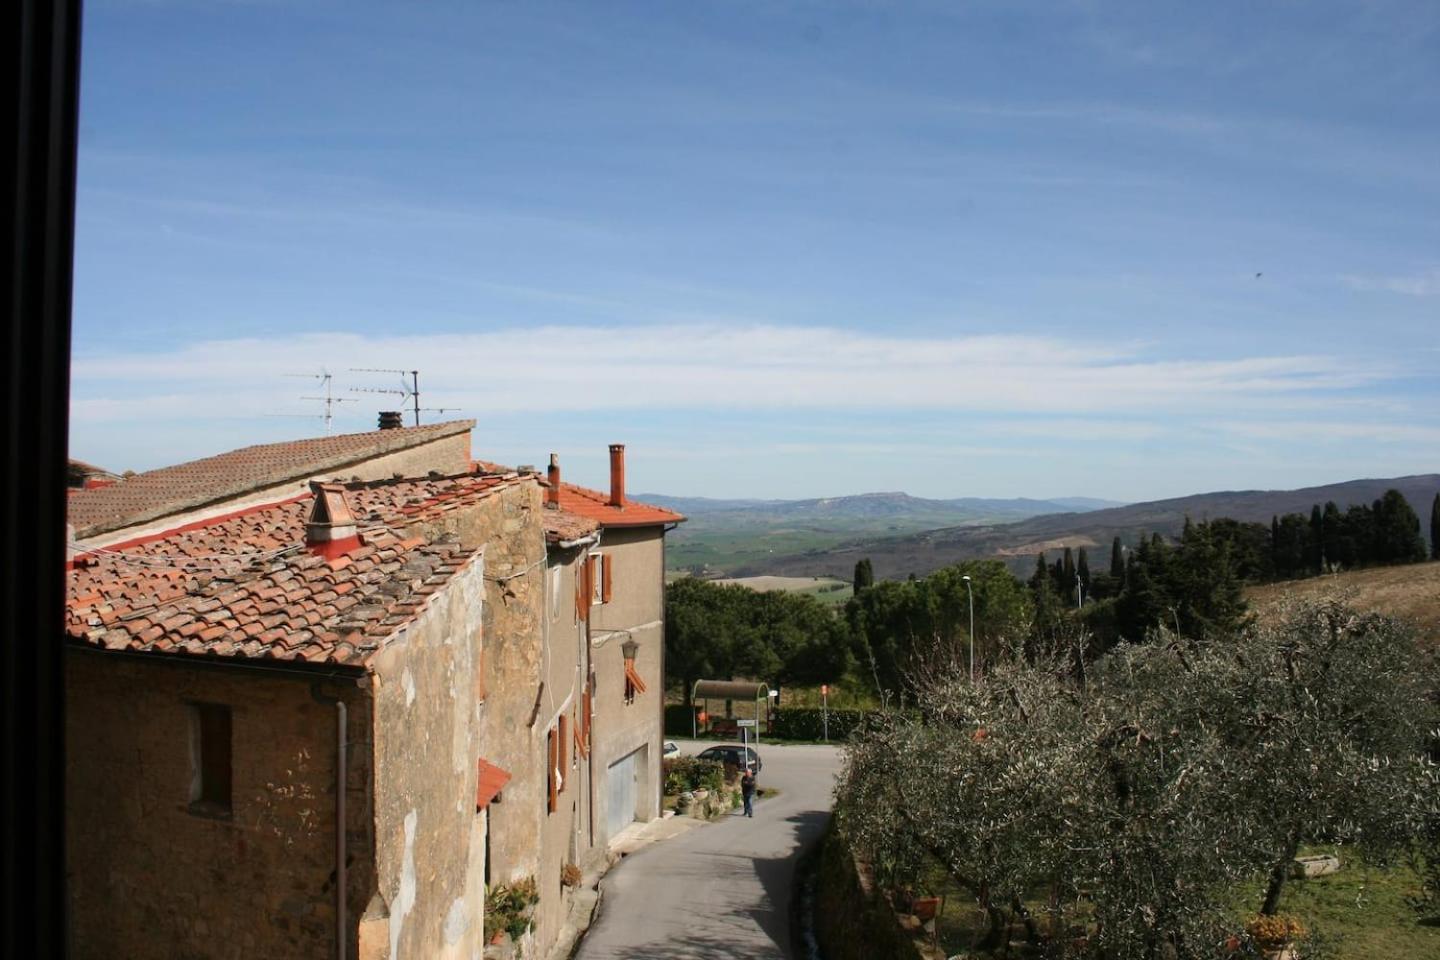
(808, 723)
(509, 907)
(691, 773)
(570, 875)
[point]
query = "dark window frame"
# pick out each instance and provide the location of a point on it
(212, 760)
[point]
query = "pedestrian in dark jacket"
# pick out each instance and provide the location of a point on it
(747, 791)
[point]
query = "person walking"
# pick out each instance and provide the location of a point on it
(747, 790)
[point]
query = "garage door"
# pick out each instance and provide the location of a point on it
(621, 789)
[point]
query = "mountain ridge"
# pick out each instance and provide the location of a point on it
(1018, 541)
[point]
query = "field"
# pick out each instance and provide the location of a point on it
(1411, 592)
(826, 589)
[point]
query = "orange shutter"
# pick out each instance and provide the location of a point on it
(587, 706)
(605, 577)
(561, 748)
(582, 749)
(582, 595)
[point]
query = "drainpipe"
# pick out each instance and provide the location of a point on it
(341, 753)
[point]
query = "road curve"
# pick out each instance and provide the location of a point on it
(724, 890)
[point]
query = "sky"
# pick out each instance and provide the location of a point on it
(779, 249)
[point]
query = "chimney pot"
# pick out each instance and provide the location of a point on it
(552, 477)
(391, 420)
(330, 529)
(617, 475)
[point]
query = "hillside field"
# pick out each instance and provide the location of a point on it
(1411, 592)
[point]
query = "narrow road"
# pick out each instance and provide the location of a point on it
(724, 890)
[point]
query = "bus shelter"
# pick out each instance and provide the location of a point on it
(707, 690)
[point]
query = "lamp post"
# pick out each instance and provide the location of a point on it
(970, 591)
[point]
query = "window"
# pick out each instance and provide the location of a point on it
(210, 760)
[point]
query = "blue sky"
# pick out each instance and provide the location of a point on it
(780, 249)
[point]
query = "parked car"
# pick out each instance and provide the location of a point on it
(732, 754)
(669, 748)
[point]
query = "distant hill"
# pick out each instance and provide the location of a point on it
(725, 535)
(1017, 542)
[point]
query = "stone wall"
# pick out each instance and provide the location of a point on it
(853, 920)
(150, 878)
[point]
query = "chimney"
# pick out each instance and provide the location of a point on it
(552, 477)
(617, 475)
(330, 530)
(391, 420)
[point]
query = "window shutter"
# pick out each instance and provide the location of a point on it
(582, 592)
(605, 566)
(562, 747)
(551, 776)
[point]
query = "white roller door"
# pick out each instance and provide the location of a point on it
(621, 784)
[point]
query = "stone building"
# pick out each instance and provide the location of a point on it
(325, 724)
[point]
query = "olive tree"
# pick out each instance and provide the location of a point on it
(1133, 799)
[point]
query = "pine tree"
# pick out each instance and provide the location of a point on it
(1117, 557)
(864, 574)
(1435, 528)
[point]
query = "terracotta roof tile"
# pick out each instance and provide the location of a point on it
(244, 586)
(594, 505)
(188, 486)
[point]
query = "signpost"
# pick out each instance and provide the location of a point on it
(745, 726)
(825, 710)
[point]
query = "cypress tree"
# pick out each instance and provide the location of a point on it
(1117, 555)
(864, 574)
(1315, 544)
(1082, 568)
(1435, 528)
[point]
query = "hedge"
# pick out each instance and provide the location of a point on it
(808, 723)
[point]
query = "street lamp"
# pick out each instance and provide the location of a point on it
(969, 590)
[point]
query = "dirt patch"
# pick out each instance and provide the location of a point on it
(1057, 545)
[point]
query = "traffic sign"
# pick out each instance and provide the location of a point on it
(744, 723)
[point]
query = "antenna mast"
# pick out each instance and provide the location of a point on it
(407, 391)
(326, 378)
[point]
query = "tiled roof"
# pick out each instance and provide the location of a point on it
(584, 502)
(244, 586)
(562, 526)
(187, 486)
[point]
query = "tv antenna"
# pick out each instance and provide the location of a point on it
(406, 391)
(326, 379)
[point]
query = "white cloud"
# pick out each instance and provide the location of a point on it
(1423, 284)
(713, 367)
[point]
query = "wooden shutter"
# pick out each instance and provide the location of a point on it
(550, 774)
(582, 591)
(605, 577)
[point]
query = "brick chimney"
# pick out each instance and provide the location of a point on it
(330, 529)
(617, 475)
(552, 477)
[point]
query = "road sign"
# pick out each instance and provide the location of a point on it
(744, 723)
(824, 689)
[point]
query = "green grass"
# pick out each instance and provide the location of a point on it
(1360, 912)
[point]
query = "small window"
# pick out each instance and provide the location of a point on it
(210, 744)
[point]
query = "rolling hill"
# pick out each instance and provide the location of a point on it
(1017, 542)
(726, 535)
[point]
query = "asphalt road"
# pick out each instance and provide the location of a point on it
(723, 890)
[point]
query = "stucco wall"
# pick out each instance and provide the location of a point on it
(149, 878)
(430, 839)
(484, 632)
(635, 611)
